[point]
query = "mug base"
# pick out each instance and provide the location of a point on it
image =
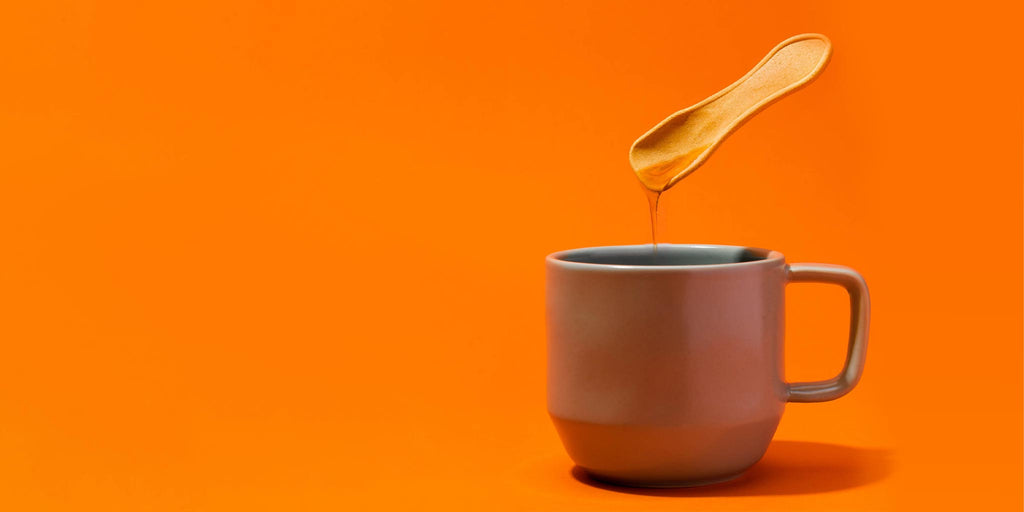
(666, 484)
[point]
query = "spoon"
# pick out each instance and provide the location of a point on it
(681, 143)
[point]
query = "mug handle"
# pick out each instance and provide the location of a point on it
(860, 310)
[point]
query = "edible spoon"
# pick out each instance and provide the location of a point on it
(679, 145)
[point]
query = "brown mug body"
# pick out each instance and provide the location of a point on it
(667, 370)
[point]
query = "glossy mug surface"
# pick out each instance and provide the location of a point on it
(666, 370)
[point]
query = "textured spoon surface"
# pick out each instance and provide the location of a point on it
(679, 145)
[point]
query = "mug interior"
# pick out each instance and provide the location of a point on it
(666, 255)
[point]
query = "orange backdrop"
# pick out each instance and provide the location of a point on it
(289, 255)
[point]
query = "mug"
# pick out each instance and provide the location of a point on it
(665, 368)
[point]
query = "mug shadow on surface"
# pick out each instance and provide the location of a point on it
(789, 467)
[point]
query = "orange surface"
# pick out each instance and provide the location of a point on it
(229, 283)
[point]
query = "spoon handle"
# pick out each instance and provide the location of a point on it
(792, 64)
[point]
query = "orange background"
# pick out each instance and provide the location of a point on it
(289, 255)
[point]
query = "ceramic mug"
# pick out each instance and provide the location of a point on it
(666, 370)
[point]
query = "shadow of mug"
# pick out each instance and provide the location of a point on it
(789, 467)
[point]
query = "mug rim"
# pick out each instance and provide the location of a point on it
(769, 257)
